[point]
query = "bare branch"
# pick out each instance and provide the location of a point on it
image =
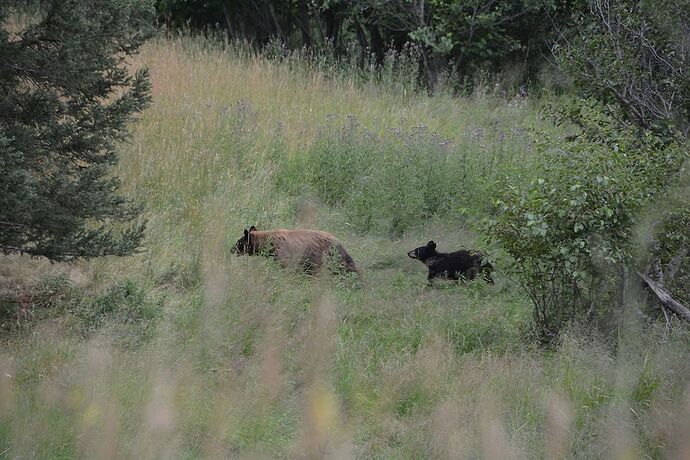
(665, 298)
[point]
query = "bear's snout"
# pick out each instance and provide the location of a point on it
(412, 254)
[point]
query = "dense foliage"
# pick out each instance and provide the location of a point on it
(631, 116)
(634, 56)
(461, 37)
(571, 231)
(66, 98)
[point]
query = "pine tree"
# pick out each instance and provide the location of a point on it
(67, 98)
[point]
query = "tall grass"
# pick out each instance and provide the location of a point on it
(189, 351)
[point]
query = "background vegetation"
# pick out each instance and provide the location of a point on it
(454, 41)
(187, 351)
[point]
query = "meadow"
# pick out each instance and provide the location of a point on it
(188, 351)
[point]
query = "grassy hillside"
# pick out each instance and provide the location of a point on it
(187, 351)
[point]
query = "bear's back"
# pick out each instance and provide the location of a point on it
(299, 238)
(462, 259)
(303, 246)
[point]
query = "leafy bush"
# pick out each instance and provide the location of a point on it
(575, 220)
(632, 58)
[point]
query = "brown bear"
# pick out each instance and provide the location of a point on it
(302, 247)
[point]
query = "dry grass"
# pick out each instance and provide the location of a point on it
(204, 354)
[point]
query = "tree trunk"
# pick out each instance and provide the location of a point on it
(304, 23)
(362, 37)
(377, 43)
(276, 24)
(228, 23)
(333, 29)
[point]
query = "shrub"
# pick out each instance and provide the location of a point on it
(576, 219)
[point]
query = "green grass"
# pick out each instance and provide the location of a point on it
(187, 351)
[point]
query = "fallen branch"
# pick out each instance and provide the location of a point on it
(665, 298)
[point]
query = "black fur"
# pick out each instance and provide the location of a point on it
(243, 245)
(452, 266)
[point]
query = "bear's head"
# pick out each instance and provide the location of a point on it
(243, 245)
(424, 252)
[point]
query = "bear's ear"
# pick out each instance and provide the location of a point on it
(252, 229)
(431, 244)
(246, 233)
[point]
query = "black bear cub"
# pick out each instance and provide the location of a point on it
(452, 266)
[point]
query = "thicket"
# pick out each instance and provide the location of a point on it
(461, 40)
(572, 231)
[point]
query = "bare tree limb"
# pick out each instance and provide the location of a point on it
(665, 298)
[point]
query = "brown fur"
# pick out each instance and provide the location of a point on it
(301, 247)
